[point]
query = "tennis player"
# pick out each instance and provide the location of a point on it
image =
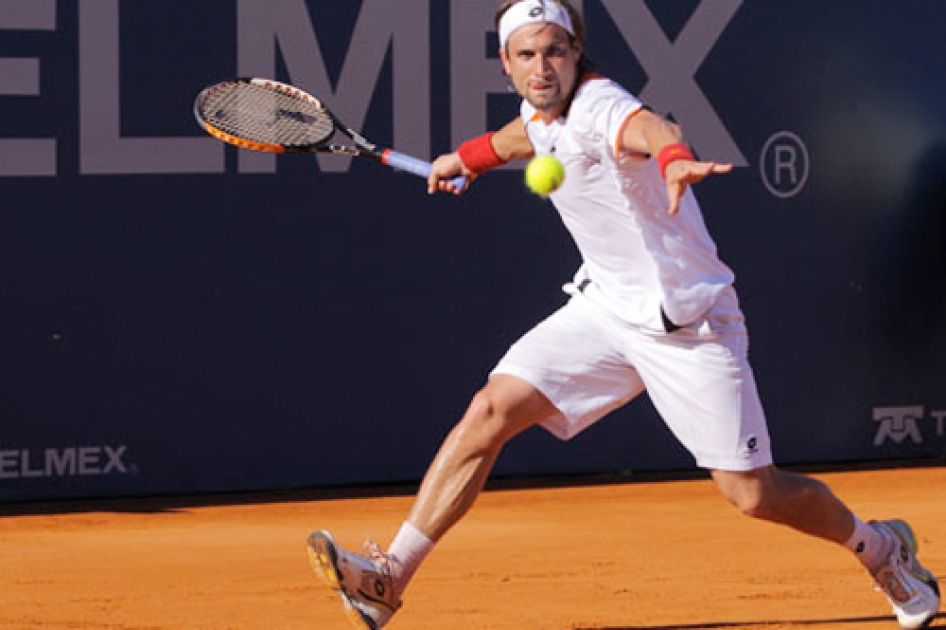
(652, 308)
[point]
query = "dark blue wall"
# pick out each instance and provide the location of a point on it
(176, 318)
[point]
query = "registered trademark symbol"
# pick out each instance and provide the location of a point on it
(784, 164)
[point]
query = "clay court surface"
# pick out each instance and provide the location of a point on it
(629, 556)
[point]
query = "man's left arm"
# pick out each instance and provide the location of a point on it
(647, 133)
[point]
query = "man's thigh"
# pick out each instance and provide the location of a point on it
(575, 358)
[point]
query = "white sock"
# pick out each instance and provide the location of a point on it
(408, 550)
(870, 545)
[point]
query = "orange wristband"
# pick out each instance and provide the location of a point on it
(478, 154)
(672, 153)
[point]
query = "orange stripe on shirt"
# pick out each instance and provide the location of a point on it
(584, 78)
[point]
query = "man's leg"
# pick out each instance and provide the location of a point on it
(371, 587)
(800, 502)
(504, 408)
(887, 548)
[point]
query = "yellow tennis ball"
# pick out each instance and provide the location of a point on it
(544, 174)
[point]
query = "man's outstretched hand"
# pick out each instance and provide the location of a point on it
(682, 173)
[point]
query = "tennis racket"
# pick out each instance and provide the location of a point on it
(273, 117)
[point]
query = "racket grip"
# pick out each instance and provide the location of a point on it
(416, 166)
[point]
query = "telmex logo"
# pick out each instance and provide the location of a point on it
(385, 30)
(902, 424)
(72, 461)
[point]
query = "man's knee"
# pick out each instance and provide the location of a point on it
(752, 502)
(484, 423)
(483, 409)
(753, 493)
(505, 407)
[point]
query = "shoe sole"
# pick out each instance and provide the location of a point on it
(323, 556)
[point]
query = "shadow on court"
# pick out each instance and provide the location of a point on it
(886, 622)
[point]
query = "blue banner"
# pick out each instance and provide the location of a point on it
(179, 317)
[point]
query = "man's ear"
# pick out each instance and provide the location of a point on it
(505, 59)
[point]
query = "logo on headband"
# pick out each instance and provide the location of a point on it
(528, 12)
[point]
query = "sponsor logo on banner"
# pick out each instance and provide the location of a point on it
(68, 461)
(908, 424)
(386, 33)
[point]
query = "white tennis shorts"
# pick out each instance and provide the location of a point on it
(588, 362)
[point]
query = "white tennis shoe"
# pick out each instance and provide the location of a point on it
(364, 583)
(911, 590)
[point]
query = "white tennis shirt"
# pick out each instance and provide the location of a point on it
(637, 257)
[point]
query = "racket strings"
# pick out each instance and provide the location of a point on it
(258, 114)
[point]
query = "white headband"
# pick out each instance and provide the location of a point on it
(533, 12)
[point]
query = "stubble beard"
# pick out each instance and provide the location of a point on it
(545, 103)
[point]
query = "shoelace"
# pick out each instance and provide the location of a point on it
(373, 551)
(385, 567)
(892, 586)
(890, 579)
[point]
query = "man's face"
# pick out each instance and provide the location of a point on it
(542, 62)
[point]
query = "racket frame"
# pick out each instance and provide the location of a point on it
(362, 146)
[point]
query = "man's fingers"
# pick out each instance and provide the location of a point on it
(674, 192)
(444, 169)
(446, 186)
(682, 173)
(702, 169)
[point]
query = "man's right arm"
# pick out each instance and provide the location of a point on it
(512, 143)
(488, 151)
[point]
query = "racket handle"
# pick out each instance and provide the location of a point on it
(416, 166)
